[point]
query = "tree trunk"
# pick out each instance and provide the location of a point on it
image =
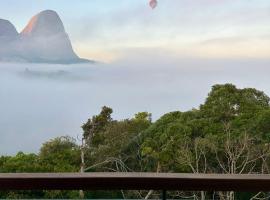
(151, 191)
(202, 195)
(81, 192)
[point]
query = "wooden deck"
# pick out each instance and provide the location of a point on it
(134, 181)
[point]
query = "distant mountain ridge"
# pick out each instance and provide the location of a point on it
(43, 40)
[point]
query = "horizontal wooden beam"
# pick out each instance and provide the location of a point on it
(134, 181)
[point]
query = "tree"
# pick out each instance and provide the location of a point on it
(225, 102)
(162, 138)
(61, 154)
(227, 134)
(96, 125)
(119, 146)
(21, 163)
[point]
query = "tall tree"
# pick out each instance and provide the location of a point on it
(96, 124)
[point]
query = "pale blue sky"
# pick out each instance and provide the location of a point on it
(108, 30)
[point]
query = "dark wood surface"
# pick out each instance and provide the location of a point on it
(135, 181)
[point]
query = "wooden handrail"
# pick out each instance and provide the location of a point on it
(134, 181)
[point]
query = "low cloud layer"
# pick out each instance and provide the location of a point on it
(40, 102)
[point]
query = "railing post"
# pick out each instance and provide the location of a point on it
(164, 195)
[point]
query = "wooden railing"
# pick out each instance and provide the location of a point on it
(134, 181)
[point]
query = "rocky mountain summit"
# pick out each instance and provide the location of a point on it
(7, 29)
(43, 40)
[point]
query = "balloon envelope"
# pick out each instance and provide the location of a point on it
(153, 3)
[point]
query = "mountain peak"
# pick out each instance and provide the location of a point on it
(43, 40)
(45, 23)
(48, 12)
(7, 29)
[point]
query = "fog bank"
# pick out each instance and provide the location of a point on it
(40, 102)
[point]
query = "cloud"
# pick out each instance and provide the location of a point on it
(226, 40)
(50, 104)
(187, 25)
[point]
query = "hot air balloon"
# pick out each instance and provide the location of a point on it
(153, 3)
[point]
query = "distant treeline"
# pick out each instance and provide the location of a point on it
(229, 133)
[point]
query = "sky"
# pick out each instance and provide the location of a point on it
(113, 30)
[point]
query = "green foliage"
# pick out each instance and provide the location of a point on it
(20, 163)
(261, 124)
(58, 155)
(174, 141)
(61, 154)
(162, 138)
(119, 144)
(143, 116)
(96, 125)
(226, 102)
